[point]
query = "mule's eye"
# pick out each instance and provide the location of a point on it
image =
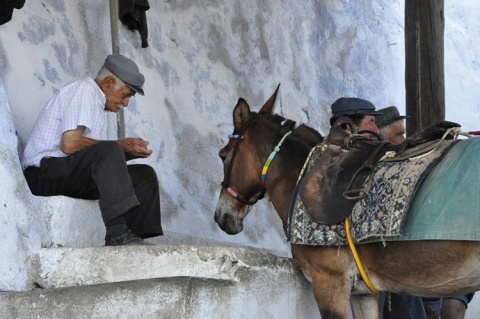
(223, 155)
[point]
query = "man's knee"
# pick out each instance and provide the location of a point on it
(106, 151)
(148, 170)
(108, 147)
(142, 172)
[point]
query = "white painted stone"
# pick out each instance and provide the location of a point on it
(18, 227)
(65, 267)
(72, 222)
(260, 293)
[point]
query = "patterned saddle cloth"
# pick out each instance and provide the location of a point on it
(379, 216)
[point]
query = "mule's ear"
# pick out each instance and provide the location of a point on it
(241, 114)
(268, 106)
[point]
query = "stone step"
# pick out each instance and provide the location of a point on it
(64, 267)
(257, 296)
(162, 281)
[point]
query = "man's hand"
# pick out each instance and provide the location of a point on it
(136, 147)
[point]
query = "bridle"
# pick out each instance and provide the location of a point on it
(226, 182)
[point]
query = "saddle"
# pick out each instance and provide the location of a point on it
(336, 180)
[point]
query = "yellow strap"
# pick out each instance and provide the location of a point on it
(323, 147)
(360, 268)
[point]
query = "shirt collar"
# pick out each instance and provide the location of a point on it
(98, 91)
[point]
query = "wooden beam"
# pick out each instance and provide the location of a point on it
(113, 4)
(424, 64)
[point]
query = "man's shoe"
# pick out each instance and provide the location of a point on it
(127, 238)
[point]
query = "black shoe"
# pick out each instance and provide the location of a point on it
(127, 238)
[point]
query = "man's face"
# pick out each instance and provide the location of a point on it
(117, 98)
(368, 124)
(397, 133)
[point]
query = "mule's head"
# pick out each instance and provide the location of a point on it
(242, 159)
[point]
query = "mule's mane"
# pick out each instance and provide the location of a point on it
(303, 132)
(309, 134)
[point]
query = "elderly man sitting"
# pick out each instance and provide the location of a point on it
(68, 153)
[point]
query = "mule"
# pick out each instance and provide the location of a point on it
(425, 268)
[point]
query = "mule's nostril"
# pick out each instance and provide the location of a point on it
(217, 219)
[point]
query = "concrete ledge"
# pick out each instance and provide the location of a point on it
(259, 294)
(158, 281)
(66, 267)
(72, 222)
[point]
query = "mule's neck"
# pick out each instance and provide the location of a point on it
(283, 175)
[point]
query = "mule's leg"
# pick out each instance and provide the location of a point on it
(365, 306)
(331, 271)
(332, 295)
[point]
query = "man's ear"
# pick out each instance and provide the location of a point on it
(108, 82)
(346, 123)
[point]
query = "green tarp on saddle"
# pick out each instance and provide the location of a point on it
(447, 205)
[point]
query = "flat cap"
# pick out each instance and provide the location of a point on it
(352, 105)
(390, 115)
(126, 70)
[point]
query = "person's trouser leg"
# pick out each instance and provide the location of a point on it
(432, 307)
(144, 220)
(455, 307)
(97, 172)
(403, 307)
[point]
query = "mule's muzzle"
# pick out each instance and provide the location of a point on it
(228, 222)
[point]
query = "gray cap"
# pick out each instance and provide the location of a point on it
(390, 115)
(351, 106)
(126, 70)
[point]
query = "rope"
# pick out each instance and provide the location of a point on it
(270, 158)
(323, 147)
(359, 264)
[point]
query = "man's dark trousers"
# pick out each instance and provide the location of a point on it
(100, 172)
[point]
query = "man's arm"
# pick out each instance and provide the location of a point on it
(73, 141)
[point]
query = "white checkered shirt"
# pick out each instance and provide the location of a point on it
(78, 103)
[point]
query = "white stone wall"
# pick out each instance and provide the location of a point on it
(19, 227)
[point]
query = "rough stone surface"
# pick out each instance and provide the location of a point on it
(175, 298)
(171, 282)
(72, 222)
(65, 267)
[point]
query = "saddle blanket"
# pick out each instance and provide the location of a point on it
(391, 212)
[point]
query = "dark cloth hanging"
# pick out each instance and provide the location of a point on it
(132, 14)
(6, 9)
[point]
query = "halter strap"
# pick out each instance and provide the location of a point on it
(238, 137)
(270, 158)
(226, 183)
